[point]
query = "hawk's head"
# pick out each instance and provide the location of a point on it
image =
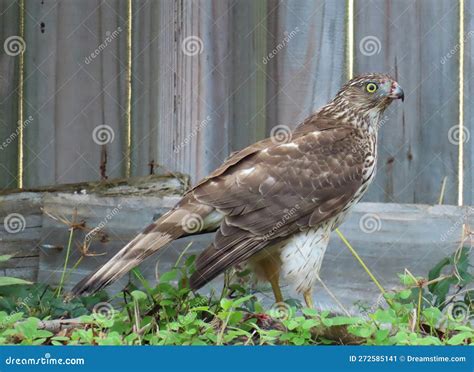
(370, 92)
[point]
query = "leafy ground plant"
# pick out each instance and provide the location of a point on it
(431, 311)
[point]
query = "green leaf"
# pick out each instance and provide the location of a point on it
(226, 304)
(343, 320)
(429, 340)
(291, 324)
(169, 276)
(60, 338)
(189, 318)
(5, 257)
(309, 312)
(432, 315)
(298, 341)
(6, 280)
(404, 294)
(460, 338)
(364, 331)
(241, 300)
(385, 316)
(190, 260)
(381, 335)
(435, 272)
(407, 280)
(309, 323)
(235, 317)
(139, 295)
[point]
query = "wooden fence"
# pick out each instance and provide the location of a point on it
(118, 87)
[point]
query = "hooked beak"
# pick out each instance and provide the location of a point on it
(397, 92)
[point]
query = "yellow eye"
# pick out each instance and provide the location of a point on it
(371, 87)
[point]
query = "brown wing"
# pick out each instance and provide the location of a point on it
(277, 190)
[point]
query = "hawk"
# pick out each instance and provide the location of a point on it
(275, 203)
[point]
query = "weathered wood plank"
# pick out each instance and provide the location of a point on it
(389, 238)
(122, 218)
(306, 57)
(413, 42)
(20, 234)
(9, 12)
(469, 105)
(248, 48)
(148, 34)
(71, 99)
(40, 103)
(181, 108)
(21, 214)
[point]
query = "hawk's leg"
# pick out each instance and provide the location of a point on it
(308, 298)
(270, 268)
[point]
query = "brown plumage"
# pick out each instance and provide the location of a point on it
(275, 202)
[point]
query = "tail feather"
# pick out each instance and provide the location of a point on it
(171, 226)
